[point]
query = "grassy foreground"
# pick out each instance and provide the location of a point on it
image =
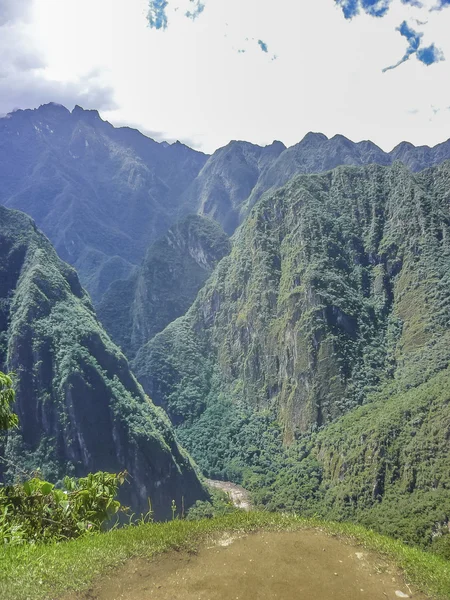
(46, 572)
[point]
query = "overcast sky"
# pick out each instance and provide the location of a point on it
(208, 71)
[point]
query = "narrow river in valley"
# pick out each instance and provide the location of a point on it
(238, 495)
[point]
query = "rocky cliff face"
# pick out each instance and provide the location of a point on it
(235, 177)
(335, 284)
(80, 408)
(228, 178)
(163, 288)
(101, 194)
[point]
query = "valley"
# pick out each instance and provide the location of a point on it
(268, 322)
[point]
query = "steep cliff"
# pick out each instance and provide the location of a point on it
(101, 194)
(228, 178)
(336, 294)
(165, 285)
(79, 406)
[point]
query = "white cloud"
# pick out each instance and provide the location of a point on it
(191, 83)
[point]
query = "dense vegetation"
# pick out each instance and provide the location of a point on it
(8, 419)
(313, 365)
(36, 511)
(165, 285)
(80, 408)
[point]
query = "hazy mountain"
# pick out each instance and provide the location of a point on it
(101, 194)
(235, 177)
(228, 178)
(165, 285)
(80, 407)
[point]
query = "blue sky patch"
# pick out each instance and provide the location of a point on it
(376, 8)
(441, 4)
(156, 15)
(430, 55)
(413, 37)
(197, 10)
(350, 8)
(263, 46)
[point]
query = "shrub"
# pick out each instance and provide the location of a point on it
(37, 511)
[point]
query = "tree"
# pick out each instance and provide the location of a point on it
(8, 419)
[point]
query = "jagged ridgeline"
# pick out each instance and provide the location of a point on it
(101, 194)
(165, 285)
(336, 294)
(79, 406)
(236, 176)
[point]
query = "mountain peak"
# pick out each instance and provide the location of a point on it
(314, 137)
(85, 113)
(53, 107)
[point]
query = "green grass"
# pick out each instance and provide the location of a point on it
(47, 572)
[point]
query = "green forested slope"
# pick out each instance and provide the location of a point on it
(336, 294)
(80, 409)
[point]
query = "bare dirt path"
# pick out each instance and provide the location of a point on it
(302, 565)
(238, 495)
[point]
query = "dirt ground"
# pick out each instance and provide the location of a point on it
(302, 565)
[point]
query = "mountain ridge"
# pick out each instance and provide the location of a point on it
(100, 194)
(80, 408)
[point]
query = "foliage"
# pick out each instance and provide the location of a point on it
(8, 419)
(37, 511)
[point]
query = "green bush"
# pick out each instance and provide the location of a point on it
(37, 511)
(7, 418)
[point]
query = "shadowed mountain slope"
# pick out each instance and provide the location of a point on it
(79, 406)
(165, 285)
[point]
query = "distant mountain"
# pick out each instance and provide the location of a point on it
(228, 178)
(101, 194)
(165, 285)
(104, 194)
(236, 176)
(79, 406)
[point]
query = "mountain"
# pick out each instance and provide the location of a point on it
(236, 176)
(314, 364)
(101, 194)
(163, 288)
(80, 408)
(228, 178)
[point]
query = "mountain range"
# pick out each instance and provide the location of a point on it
(103, 194)
(305, 357)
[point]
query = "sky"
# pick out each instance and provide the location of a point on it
(209, 71)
